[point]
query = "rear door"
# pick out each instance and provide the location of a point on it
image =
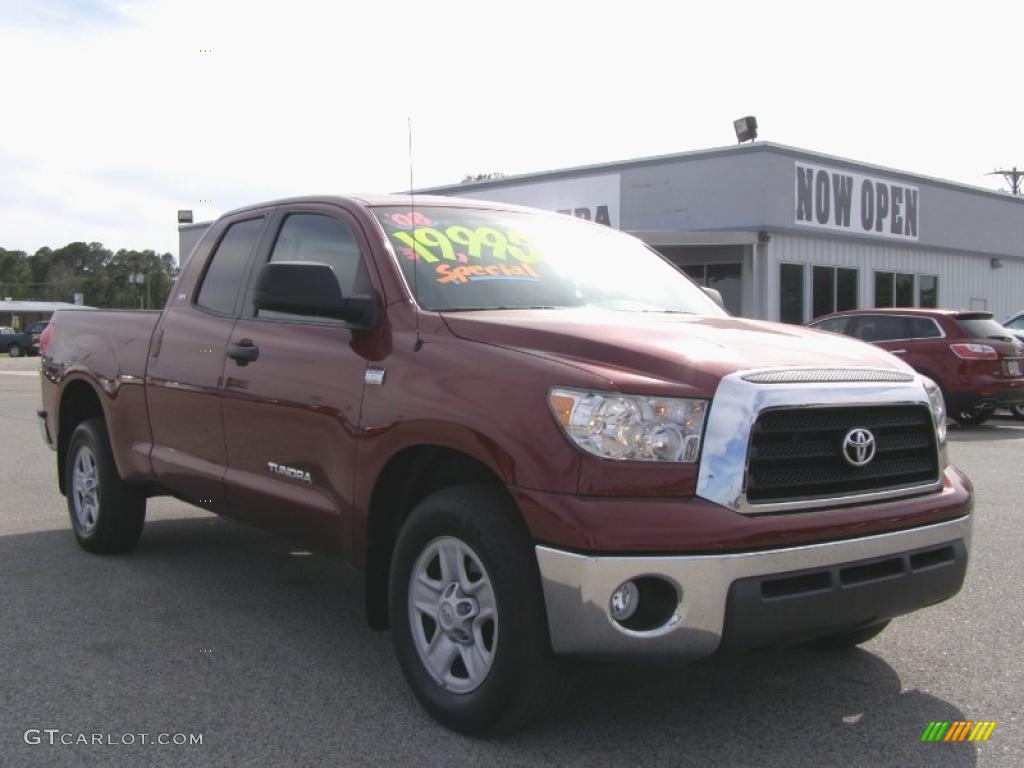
(291, 416)
(184, 377)
(925, 349)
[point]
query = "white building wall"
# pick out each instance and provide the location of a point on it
(966, 281)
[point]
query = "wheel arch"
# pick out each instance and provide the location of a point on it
(409, 476)
(79, 401)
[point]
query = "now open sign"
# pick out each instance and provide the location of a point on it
(829, 198)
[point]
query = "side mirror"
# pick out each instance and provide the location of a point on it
(311, 289)
(714, 295)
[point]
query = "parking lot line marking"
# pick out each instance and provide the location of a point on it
(19, 373)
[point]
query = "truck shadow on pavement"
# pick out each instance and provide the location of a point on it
(210, 627)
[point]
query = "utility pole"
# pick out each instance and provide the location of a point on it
(1013, 177)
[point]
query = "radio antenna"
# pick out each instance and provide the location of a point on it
(416, 259)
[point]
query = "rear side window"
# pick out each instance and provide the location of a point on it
(834, 325)
(983, 328)
(326, 240)
(224, 274)
(924, 328)
(881, 328)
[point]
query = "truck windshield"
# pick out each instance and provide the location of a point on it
(461, 259)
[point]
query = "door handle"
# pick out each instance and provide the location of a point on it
(898, 351)
(244, 352)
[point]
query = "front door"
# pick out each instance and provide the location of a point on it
(291, 415)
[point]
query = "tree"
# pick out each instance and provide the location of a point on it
(90, 269)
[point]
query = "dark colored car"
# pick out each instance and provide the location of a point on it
(978, 363)
(532, 434)
(14, 343)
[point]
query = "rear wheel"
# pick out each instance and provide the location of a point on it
(1017, 411)
(467, 613)
(845, 640)
(971, 417)
(107, 514)
(14, 350)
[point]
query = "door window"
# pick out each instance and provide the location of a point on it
(227, 267)
(833, 325)
(325, 240)
(881, 327)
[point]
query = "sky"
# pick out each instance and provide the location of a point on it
(118, 113)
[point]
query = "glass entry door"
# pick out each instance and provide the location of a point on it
(727, 279)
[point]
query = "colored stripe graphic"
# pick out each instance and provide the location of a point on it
(935, 731)
(982, 731)
(958, 730)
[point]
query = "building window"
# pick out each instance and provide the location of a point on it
(726, 278)
(833, 289)
(904, 290)
(897, 289)
(791, 293)
(928, 291)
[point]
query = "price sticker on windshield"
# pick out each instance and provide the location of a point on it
(459, 243)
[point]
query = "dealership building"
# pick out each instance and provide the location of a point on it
(787, 234)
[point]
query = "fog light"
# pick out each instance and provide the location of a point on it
(624, 601)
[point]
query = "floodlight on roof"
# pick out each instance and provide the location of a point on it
(746, 128)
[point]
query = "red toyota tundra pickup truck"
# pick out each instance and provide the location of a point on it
(532, 434)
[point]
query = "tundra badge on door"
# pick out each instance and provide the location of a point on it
(294, 474)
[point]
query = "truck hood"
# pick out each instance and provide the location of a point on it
(637, 350)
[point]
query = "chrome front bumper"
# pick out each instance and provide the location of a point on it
(577, 588)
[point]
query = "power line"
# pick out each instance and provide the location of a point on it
(1013, 177)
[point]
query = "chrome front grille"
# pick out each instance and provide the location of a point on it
(787, 427)
(797, 453)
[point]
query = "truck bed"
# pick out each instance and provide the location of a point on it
(107, 349)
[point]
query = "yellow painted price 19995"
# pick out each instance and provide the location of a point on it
(429, 242)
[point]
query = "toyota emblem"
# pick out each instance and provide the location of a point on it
(859, 447)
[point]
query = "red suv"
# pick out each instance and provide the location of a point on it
(977, 362)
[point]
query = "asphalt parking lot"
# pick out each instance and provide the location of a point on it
(212, 628)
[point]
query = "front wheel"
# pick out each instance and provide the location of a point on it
(1017, 411)
(107, 514)
(467, 613)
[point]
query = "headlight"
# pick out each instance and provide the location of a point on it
(938, 405)
(629, 427)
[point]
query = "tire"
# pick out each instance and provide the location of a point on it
(496, 673)
(14, 350)
(846, 640)
(971, 417)
(1017, 411)
(107, 514)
